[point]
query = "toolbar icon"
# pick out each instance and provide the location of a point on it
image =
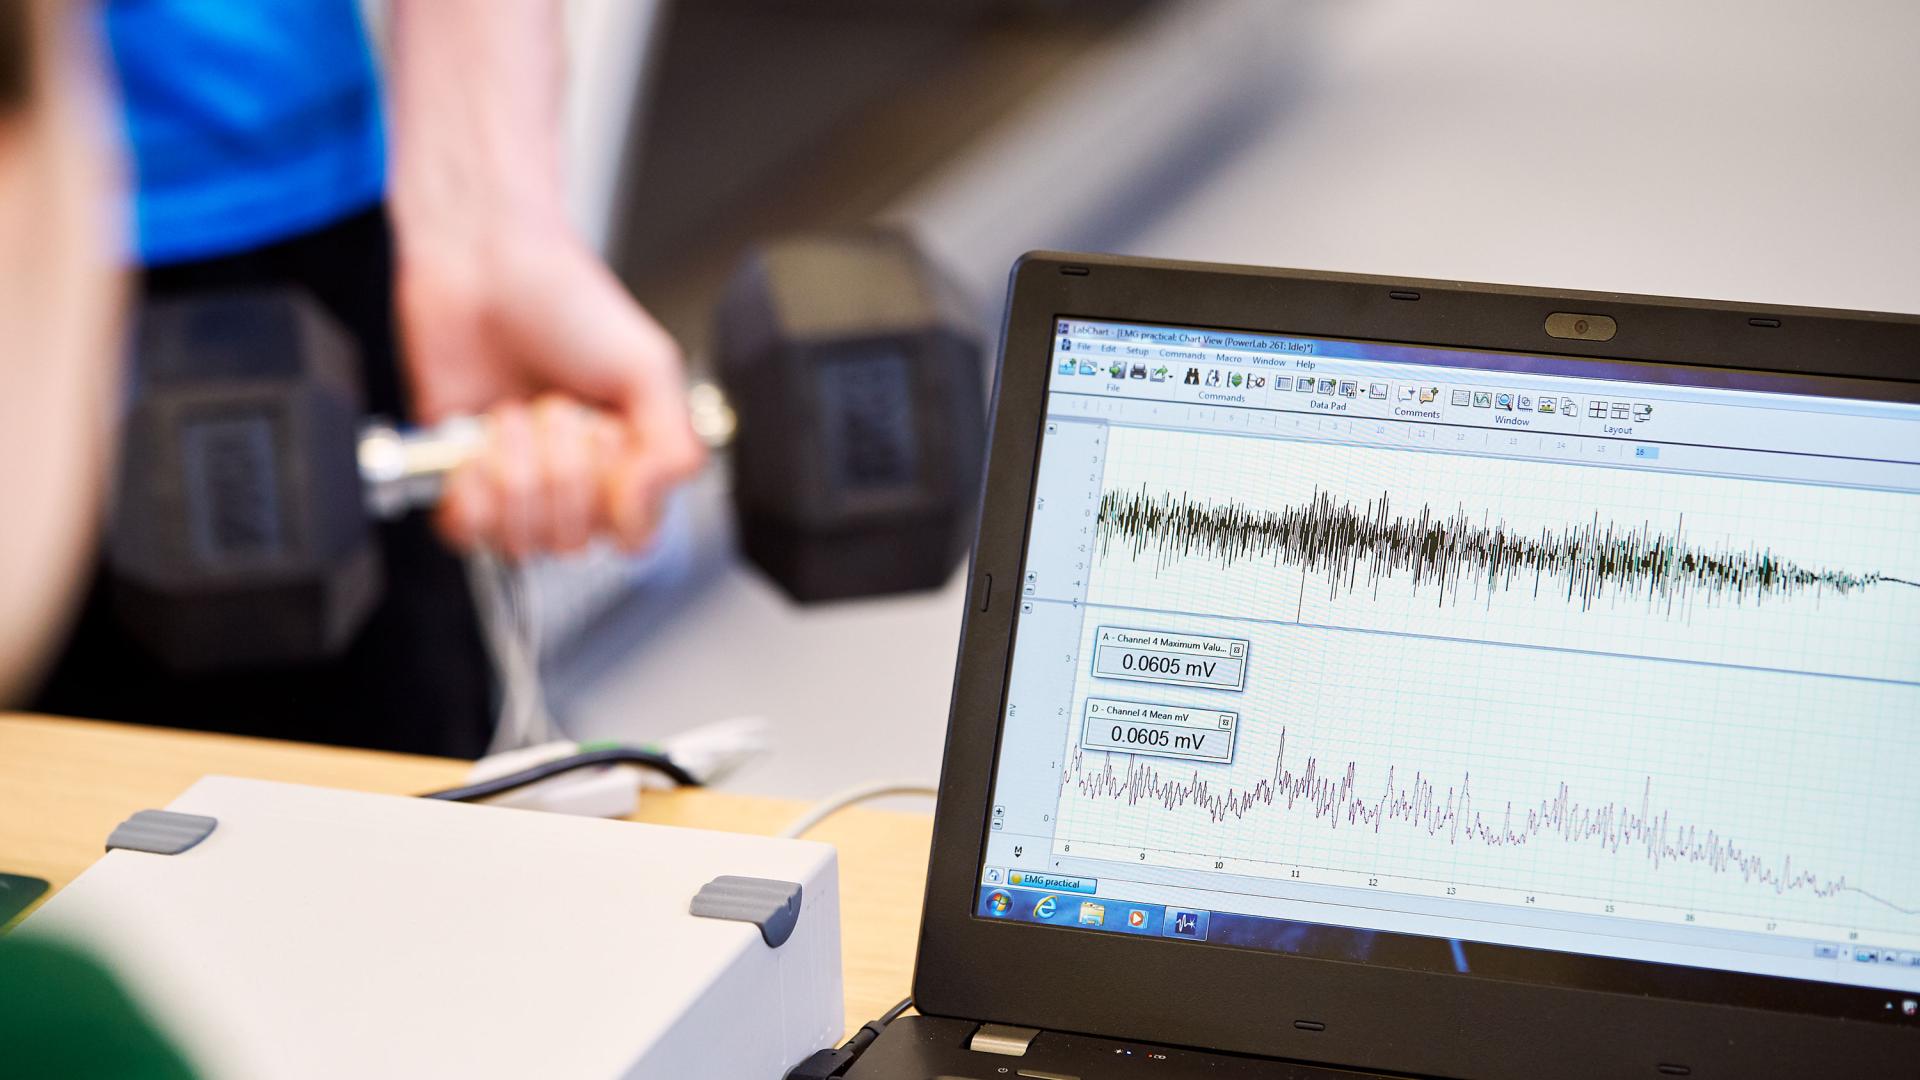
(1597, 410)
(1349, 388)
(1524, 401)
(1483, 399)
(1213, 376)
(1092, 914)
(1136, 918)
(1233, 380)
(1046, 907)
(1117, 369)
(1325, 386)
(1087, 368)
(1429, 395)
(1406, 393)
(1643, 412)
(1620, 410)
(1377, 391)
(1193, 377)
(1067, 366)
(1503, 400)
(1548, 405)
(1569, 407)
(1462, 399)
(1304, 384)
(1159, 374)
(1139, 372)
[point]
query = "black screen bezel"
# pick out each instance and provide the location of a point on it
(1247, 1001)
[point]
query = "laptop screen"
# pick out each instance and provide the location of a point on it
(1582, 672)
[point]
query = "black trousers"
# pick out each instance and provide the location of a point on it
(418, 678)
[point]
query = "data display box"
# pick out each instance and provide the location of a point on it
(1175, 731)
(1161, 656)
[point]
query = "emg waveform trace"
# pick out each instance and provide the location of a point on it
(1666, 566)
(1348, 797)
(1345, 542)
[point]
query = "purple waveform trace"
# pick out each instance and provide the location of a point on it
(1336, 801)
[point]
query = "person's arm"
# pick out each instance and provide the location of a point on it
(503, 307)
(61, 295)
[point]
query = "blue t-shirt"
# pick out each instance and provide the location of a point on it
(249, 122)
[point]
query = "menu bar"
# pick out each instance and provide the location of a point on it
(1088, 362)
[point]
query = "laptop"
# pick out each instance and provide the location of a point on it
(1386, 677)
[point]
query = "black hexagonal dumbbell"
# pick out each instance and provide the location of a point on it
(250, 479)
(855, 369)
(239, 533)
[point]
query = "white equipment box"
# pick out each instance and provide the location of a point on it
(319, 933)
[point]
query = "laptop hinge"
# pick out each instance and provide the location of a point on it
(1002, 1039)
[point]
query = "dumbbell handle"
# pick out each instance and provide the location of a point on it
(405, 469)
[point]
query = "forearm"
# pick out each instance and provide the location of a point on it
(475, 94)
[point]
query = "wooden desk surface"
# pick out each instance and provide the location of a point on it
(64, 785)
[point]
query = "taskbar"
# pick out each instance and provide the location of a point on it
(1069, 901)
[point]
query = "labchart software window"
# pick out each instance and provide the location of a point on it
(1380, 653)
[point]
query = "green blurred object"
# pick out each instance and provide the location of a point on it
(17, 894)
(63, 1015)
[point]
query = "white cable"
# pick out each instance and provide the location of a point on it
(512, 637)
(839, 801)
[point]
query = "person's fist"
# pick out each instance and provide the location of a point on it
(584, 393)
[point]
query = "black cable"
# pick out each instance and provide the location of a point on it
(827, 1064)
(617, 755)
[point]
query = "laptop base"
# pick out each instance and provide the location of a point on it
(936, 1048)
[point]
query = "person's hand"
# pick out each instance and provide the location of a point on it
(584, 392)
(504, 310)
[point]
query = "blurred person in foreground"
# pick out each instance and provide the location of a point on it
(259, 147)
(60, 295)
